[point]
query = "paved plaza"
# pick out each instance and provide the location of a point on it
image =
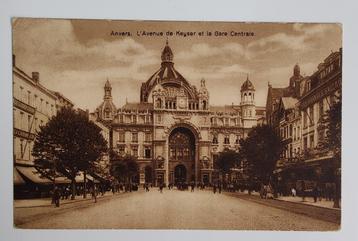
(171, 209)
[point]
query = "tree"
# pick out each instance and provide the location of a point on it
(332, 124)
(124, 168)
(261, 149)
(67, 144)
(227, 160)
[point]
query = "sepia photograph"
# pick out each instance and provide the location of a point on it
(176, 125)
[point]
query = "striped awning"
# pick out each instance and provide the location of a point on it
(32, 175)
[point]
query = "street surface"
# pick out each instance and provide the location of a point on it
(177, 210)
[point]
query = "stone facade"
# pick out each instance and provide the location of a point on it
(174, 130)
(297, 111)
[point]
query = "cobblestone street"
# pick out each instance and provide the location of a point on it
(174, 210)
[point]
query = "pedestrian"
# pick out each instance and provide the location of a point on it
(56, 197)
(94, 193)
(192, 187)
(293, 192)
(220, 187)
(315, 193)
(161, 186)
(214, 188)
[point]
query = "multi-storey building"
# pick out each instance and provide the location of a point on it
(33, 106)
(297, 111)
(174, 130)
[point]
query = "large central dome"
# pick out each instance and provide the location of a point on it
(167, 76)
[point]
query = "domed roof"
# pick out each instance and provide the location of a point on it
(247, 85)
(296, 70)
(167, 75)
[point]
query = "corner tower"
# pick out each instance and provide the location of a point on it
(107, 110)
(248, 110)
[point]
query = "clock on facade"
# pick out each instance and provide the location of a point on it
(182, 103)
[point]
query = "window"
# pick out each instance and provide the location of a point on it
(36, 124)
(311, 141)
(22, 147)
(204, 104)
(148, 137)
(121, 137)
(21, 120)
(298, 133)
(135, 151)
(305, 119)
(311, 115)
(226, 140)
(215, 139)
(159, 103)
(29, 123)
(29, 97)
(147, 152)
(305, 143)
(159, 118)
(121, 150)
(321, 110)
(237, 139)
(135, 137)
(172, 152)
(134, 119)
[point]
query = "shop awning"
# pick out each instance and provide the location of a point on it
(32, 175)
(92, 179)
(18, 180)
(65, 180)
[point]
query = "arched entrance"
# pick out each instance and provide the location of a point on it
(179, 174)
(182, 153)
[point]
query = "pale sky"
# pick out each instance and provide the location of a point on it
(75, 57)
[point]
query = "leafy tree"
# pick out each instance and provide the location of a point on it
(67, 144)
(124, 168)
(261, 149)
(226, 160)
(332, 124)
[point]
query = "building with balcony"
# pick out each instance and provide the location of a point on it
(33, 106)
(175, 130)
(296, 112)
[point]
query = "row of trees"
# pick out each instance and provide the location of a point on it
(70, 143)
(263, 146)
(261, 149)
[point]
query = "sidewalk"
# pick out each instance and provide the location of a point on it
(31, 209)
(321, 210)
(46, 202)
(309, 201)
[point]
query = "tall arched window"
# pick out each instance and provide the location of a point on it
(204, 105)
(159, 103)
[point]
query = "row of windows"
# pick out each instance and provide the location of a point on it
(226, 140)
(34, 100)
(134, 137)
(134, 119)
(23, 149)
(224, 121)
(147, 152)
(26, 122)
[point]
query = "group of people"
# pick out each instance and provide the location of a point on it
(64, 192)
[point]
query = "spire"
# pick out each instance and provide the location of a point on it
(107, 90)
(247, 85)
(167, 53)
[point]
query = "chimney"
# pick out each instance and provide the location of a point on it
(13, 60)
(36, 76)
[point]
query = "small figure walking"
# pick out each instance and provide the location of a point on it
(192, 187)
(214, 188)
(56, 197)
(94, 193)
(161, 186)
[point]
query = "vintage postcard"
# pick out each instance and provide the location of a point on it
(176, 125)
